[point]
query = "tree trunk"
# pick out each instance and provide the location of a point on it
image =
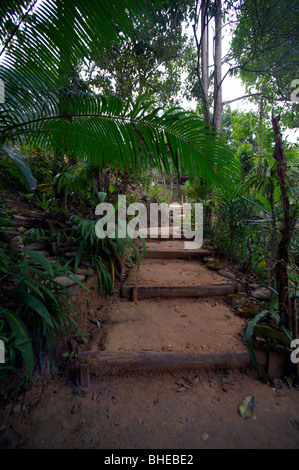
(203, 67)
(205, 57)
(218, 104)
(281, 267)
(262, 109)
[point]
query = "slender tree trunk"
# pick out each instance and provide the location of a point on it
(205, 55)
(274, 235)
(218, 104)
(202, 67)
(203, 64)
(281, 267)
(262, 109)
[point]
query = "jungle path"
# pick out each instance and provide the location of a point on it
(166, 369)
(171, 314)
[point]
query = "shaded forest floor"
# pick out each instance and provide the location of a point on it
(171, 409)
(148, 411)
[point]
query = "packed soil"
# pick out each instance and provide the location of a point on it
(170, 272)
(153, 410)
(173, 325)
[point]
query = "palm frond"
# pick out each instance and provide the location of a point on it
(106, 130)
(40, 112)
(63, 31)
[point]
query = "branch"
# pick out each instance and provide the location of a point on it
(243, 97)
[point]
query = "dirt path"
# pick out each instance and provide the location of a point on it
(177, 409)
(154, 412)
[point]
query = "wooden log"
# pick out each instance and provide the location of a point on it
(177, 254)
(163, 235)
(110, 362)
(144, 292)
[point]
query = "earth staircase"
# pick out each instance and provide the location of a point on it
(137, 288)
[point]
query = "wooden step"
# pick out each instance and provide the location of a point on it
(143, 292)
(176, 254)
(110, 362)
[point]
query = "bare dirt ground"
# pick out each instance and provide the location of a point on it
(171, 410)
(172, 272)
(153, 412)
(177, 325)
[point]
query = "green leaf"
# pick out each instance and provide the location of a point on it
(21, 163)
(31, 302)
(39, 258)
(79, 254)
(284, 329)
(277, 194)
(248, 337)
(137, 255)
(24, 343)
(102, 196)
(264, 201)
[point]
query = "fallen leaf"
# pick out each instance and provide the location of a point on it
(246, 407)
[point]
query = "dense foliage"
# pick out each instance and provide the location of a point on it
(90, 95)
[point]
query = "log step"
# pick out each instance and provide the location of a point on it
(144, 292)
(110, 362)
(177, 254)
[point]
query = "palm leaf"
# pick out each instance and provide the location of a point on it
(64, 31)
(39, 112)
(103, 128)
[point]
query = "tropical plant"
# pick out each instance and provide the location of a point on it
(12, 162)
(270, 315)
(231, 230)
(46, 109)
(42, 111)
(104, 254)
(34, 306)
